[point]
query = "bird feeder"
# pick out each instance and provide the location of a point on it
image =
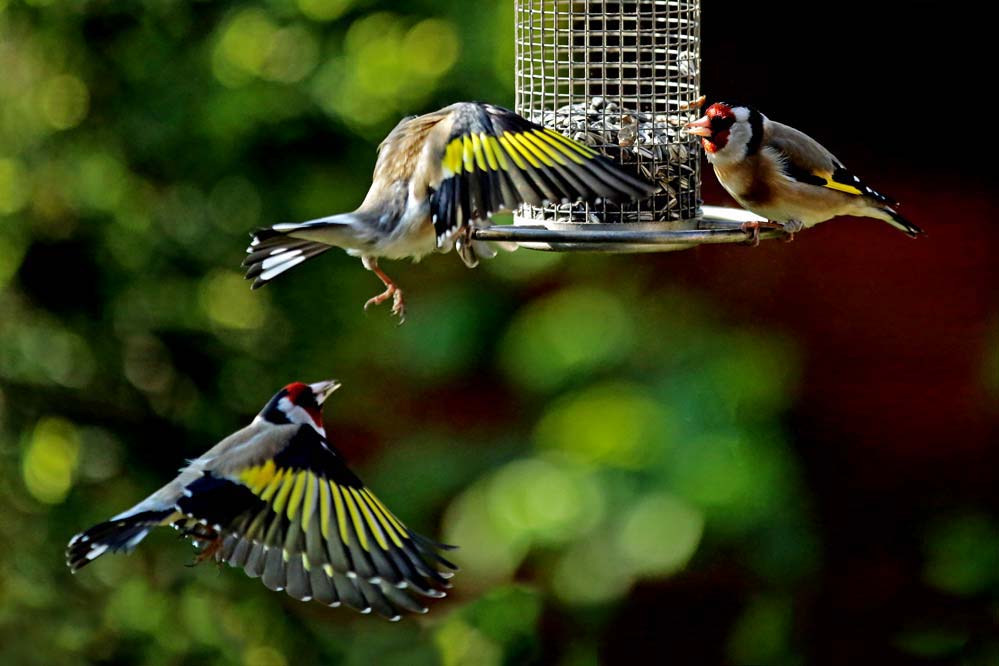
(622, 76)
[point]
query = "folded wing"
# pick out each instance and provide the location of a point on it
(806, 161)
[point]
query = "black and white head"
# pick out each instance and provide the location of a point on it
(729, 133)
(299, 403)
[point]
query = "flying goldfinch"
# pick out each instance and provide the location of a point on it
(437, 176)
(277, 499)
(784, 175)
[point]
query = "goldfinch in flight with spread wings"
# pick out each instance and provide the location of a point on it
(437, 175)
(278, 500)
(784, 175)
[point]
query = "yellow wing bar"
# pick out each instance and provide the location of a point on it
(295, 492)
(538, 147)
(835, 185)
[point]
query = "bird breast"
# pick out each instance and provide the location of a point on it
(748, 180)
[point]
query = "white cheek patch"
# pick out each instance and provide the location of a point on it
(297, 414)
(733, 151)
(738, 140)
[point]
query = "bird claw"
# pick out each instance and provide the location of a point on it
(398, 304)
(210, 550)
(380, 298)
(753, 229)
(791, 227)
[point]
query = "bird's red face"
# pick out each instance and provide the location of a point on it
(299, 403)
(714, 127)
(301, 395)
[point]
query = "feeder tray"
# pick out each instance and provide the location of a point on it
(715, 224)
(622, 76)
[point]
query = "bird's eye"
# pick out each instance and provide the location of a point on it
(722, 123)
(307, 399)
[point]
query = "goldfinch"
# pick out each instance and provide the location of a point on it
(436, 177)
(278, 500)
(784, 175)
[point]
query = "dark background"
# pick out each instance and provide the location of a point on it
(725, 455)
(893, 425)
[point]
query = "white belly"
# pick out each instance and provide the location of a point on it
(417, 240)
(413, 236)
(787, 213)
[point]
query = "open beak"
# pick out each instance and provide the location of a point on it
(700, 127)
(322, 390)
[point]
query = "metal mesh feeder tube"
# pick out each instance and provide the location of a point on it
(622, 76)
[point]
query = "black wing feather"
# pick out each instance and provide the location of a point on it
(494, 160)
(305, 523)
(840, 179)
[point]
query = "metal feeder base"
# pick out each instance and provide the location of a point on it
(716, 224)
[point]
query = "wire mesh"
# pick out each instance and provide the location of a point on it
(621, 76)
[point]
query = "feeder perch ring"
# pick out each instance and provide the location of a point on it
(622, 76)
(715, 224)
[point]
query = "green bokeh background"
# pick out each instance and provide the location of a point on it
(590, 435)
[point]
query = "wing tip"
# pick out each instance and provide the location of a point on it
(903, 224)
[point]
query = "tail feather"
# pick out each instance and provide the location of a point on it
(118, 534)
(273, 252)
(894, 219)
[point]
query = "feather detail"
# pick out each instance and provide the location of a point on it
(272, 252)
(302, 513)
(120, 534)
(493, 160)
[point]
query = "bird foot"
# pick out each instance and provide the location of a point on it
(791, 227)
(208, 551)
(382, 297)
(753, 229)
(398, 303)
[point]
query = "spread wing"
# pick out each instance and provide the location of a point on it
(806, 161)
(493, 160)
(303, 522)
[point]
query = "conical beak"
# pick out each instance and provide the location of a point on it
(322, 390)
(700, 127)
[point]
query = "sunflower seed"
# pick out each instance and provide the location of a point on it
(652, 145)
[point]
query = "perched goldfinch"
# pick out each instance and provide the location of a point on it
(278, 500)
(784, 175)
(438, 175)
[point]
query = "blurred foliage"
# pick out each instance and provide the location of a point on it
(575, 446)
(963, 554)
